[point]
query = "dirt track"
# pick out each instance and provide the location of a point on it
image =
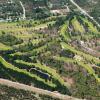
(35, 90)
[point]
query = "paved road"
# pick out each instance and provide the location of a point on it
(36, 90)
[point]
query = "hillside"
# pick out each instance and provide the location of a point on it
(45, 56)
(92, 6)
(59, 53)
(15, 10)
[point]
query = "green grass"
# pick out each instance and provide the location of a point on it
(5, 47)
(41, 49)
(63, 31)
(77, 26)
(6, 27)
(92, 28)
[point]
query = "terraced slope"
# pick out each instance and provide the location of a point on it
(49, 54)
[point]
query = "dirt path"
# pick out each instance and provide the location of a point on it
(36, 90)
(84, 12)
(24, 12)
